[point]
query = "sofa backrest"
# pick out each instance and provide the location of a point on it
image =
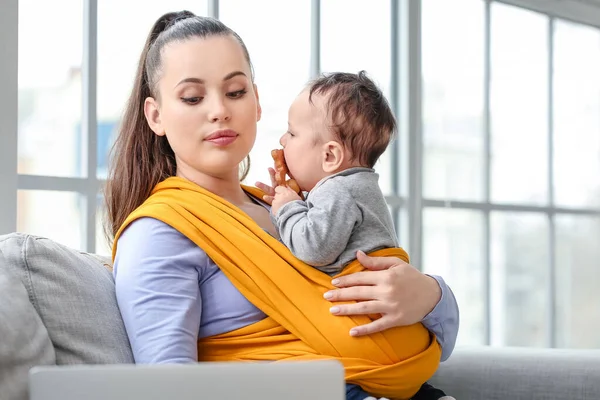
(474, 373)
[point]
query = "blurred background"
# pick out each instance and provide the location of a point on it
(494, 180)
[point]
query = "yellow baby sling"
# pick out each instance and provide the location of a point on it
(299, 326)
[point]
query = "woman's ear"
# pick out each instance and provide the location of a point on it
(333, 156)
(258, 107)
(152, 113)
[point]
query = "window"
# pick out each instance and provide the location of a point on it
(511, 160)
(49, 119)
(454, 247)
(576, 121)
(453, 100)
(576, 167)
(518, 106)
(577, 254)
(493, 182)
(50, 97)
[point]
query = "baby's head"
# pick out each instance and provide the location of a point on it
(340, 120)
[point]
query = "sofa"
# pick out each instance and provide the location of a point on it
(57, 307)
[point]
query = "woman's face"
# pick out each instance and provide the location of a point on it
(207, 105)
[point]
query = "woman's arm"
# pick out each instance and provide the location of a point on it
(402, 295)
(443, 320)
(158, 292)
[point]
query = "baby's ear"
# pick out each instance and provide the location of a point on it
(333, 156)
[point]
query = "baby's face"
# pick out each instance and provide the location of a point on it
(303, 142)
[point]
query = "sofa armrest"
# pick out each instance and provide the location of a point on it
(24, 340)
(489, 373)
(74, 296)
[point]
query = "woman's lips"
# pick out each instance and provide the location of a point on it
(222, 137)
(222, 140)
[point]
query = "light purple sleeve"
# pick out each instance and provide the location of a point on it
(157, 288)
(443, 320)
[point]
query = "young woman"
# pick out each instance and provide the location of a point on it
(199, 275)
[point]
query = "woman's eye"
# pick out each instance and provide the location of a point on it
(236, 94)
(290, 133)
(191, 100)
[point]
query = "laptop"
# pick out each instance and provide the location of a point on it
(300, 380)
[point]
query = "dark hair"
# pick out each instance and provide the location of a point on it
(360, 116)
(141, 159)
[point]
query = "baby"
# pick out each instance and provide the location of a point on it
(338, 127)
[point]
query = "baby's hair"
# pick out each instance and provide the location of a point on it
(360, 117)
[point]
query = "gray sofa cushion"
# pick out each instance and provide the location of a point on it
(24, 340)
(520, 374)
(74, 295)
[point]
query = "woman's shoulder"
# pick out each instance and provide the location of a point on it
(150, 241)
(148, 230)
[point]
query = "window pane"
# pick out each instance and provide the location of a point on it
(453, 247)
(402, 230)
(55, 215)
(576, 116)
(453, 99)
(280, 51)
(520, 263)
(50, 88)
(400, 225)
(355, 36)
(577, 297)
(122, 30)
(519, 105)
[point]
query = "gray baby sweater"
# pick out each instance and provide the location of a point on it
(344, 213)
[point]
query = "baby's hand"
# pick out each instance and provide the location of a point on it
(283, 195)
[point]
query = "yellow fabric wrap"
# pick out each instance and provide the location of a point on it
(299, 326)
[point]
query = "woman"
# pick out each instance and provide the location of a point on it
(189, 124)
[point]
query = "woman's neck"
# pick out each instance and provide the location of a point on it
(226, 186)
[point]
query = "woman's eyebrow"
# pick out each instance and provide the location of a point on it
(190, 80)
(201, 81)
(233, 74)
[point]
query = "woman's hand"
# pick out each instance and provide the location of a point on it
(269, 190)
(396, 290)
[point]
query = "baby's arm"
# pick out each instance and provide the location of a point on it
(317, 231)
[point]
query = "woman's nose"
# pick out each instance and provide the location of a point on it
(282, 140)
(218, 110)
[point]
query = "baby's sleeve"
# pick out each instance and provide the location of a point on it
(317, 230)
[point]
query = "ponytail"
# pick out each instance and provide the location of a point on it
(140, 159)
